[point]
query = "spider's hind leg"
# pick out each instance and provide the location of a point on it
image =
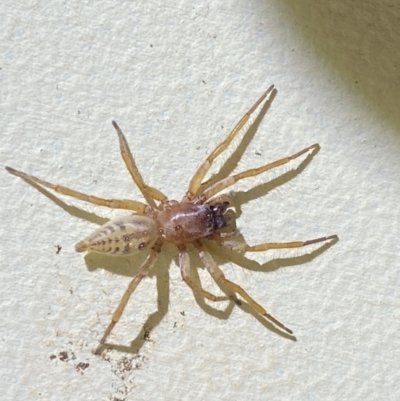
(138, 207)
(184, 264)
(143, 272)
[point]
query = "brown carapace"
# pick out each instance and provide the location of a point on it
(199, 215)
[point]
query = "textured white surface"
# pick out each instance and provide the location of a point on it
(177, 78)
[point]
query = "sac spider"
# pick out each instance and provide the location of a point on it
(201, 214)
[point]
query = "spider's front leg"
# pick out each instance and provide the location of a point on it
(195, 182)
(242, 247)
(220, 278)
(233, 179)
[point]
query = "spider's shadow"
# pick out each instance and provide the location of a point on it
(70, 209)
(261, 190)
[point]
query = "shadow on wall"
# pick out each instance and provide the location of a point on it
(360, 42)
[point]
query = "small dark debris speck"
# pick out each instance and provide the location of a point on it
(63, 356)
(81, 366)
(146, 335)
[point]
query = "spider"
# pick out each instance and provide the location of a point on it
(201, 214)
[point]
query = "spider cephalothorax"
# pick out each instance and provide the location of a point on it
(184, 223)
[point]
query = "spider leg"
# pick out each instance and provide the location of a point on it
(229, 181)
(243, 247)
(226, 197)
(143, 271)
(138, 207)
(148, 192)
(202, 170)
(184, 264)
(220, 278)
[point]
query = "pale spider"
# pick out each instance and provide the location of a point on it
(201, 214)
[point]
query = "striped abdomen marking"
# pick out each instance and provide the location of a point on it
(121, 236)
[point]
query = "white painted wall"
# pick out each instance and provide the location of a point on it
(177, 78)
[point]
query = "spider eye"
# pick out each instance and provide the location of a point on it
(142, 245)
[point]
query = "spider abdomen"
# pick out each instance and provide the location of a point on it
(183, 223)
(121, 236)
